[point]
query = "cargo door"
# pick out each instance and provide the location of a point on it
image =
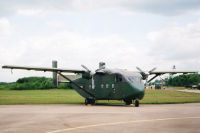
(97, 79)
(117, 87)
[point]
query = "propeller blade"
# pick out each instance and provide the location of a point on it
(144, 75)
(85, 68)
(152, 70)
(139, 69)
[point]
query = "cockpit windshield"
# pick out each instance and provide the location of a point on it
(134, 79)
(121, 75)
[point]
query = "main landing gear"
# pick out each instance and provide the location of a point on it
(129, 102)
(89, 101)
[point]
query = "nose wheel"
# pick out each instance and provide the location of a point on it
(137, 103)
(129, 102)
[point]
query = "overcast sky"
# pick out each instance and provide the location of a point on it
(122, 33)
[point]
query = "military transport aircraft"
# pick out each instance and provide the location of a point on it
(106, 84)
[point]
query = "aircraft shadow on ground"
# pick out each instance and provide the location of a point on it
(113, 105)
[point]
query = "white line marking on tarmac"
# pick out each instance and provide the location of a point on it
(117, 123)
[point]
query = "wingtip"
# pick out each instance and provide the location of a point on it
(5, 66)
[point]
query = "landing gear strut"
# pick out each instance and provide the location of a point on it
(137, 103)
(89, 101)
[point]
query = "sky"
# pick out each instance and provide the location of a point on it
(122, 33)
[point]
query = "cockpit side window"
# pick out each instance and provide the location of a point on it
(134, 79)
(118, 78)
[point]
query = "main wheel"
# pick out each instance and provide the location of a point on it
(89, 101)
(86, 101)
(92, 101)
(128, 102)
(137, 103)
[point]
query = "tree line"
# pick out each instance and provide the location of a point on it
(184, 80)
(181, 80)
(31, 83)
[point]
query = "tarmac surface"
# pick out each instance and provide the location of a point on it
(175, 118)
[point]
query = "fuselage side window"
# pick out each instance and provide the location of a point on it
(119, 78)
(107, 85)
(101, 85)
(113, 86)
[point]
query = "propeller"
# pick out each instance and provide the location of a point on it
(85, 68)
(139, 69)
(144, 74)
(152, 70)
(89, 74)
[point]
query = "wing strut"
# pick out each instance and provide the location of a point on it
(154, 77)
(76, 85)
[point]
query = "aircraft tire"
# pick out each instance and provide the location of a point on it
(86, 101)
(137, 103)
(92, 101)
(128, 102)
(89, 101)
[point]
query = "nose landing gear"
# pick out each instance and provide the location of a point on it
(129, 102)
(137, 103)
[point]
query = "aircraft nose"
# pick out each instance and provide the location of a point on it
(137, 85)
(138, 90)
(140, 93)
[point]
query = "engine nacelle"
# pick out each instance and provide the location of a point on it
(87, 75)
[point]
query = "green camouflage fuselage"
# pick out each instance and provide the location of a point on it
(108, 84)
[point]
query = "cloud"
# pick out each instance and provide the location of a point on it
(6, 33)
(77, 32)
(5, 28)
(177, 44)
(68, 46)
(71, 49)
(31, 12)
(30, 7)
(38, 7)
(163, 7)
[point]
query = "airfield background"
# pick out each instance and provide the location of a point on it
(28, 83)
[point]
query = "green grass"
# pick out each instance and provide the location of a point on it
(178, 88)
(169, 96)
(60, 96)
(53, 96)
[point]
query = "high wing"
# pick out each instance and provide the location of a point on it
(158, 73)
(59, 70)
(172, 72)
